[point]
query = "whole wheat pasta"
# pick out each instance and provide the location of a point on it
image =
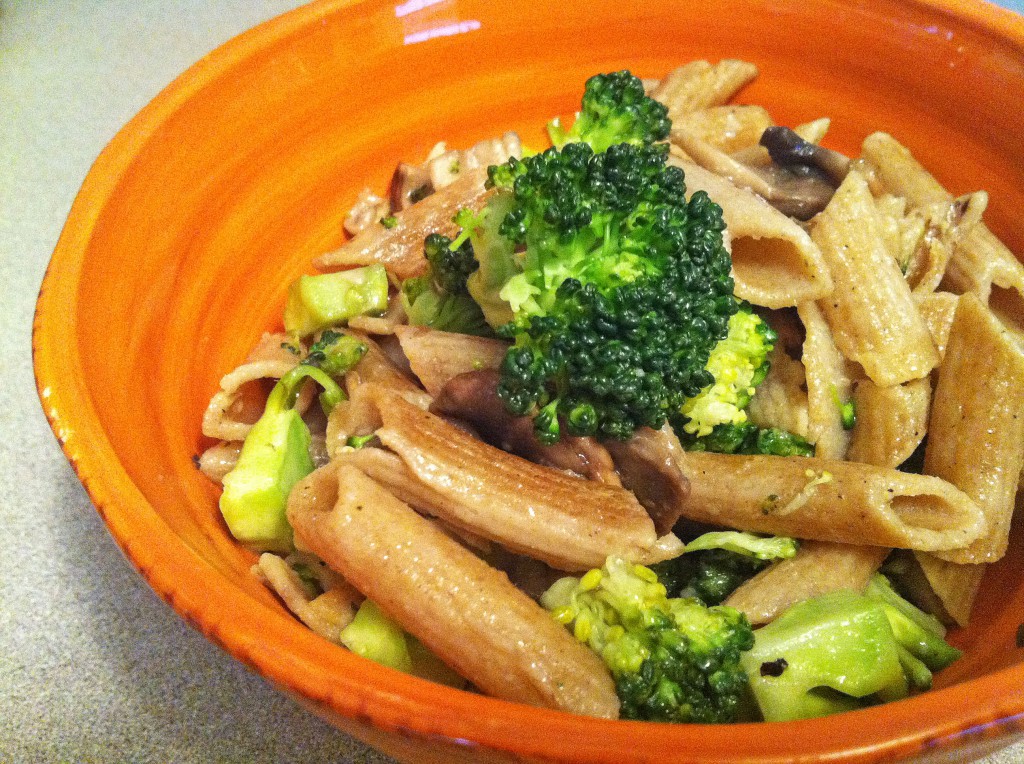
(435, 357)
(829, 500)
(817, 568)
(937, 309)
(873, 318)
(891, 421)
(781, 399)
(976, 429)
(729, 128)
(400, 247)
(699, 85)
(775, 263)
(466, 612)
(567, 522)
(829, 385)
(954, 584)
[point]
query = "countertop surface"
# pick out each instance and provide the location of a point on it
(93, 666)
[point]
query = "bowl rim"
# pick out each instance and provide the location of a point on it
(373, 694)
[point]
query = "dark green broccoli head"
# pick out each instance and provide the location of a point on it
(746, 438)
(618, 287)
(615, 109)
(673, 660)
(449, 268)
(710, 575)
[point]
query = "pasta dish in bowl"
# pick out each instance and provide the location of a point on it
(690, 418)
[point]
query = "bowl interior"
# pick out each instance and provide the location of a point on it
(182, 242)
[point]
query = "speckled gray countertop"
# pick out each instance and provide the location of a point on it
(93, 666)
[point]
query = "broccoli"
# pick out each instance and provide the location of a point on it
(330, 299)
(746, 438)
(372, 634)
(672, 659)
(738, 364)
(275, 454)
(613, 287)
(439, 298)
(842, 651)
(716, 563)
(615, 109)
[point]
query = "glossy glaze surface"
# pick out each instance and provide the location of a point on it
(185, 235)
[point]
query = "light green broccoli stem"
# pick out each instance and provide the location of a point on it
(738, 363)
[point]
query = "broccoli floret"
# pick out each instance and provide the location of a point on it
(615, 109)
(439, 298)
(331, 299)
(613, 287)
(673, 660)
(746, 438)
(275, 454)
(738, 364)
(716, 563)
(842, 651)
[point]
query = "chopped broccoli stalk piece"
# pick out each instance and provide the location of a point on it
(672, 659)
(439, 298)
(747, 438)
(740, 542)
(372, 634)
(331, 299)
(738, 364)
(275, 454)
(847, 410)
(838, 653)
(389, 221)
(612, 285)
(360, 441)
(844, 650)
(615, 109)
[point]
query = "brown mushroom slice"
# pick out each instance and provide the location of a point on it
(544, 513)
(790, 151)
(410, 184)
(435, 357)
(648, 465)
(798, 195)
(463, 610)
(400, 247)
(473, 397)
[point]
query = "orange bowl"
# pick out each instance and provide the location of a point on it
(179, 247)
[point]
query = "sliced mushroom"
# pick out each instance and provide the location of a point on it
(410, 184)
(473, 397)
(648, 465)
(791, 152)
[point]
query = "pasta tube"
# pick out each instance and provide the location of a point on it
(466, 612)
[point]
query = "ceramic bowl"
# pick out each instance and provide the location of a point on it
(179, 247)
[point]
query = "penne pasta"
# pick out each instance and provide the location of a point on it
(829, 385)
(436, 357)
(400, 248)
(700, 85)
(781, 399)
(976, 430)
(891, 421)
(954, 584)
(728, 128)
(466, 612)
(775, 263)
(829, 500)
(871, 313)
(937, 309)
(565, 521)
(817, 568)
